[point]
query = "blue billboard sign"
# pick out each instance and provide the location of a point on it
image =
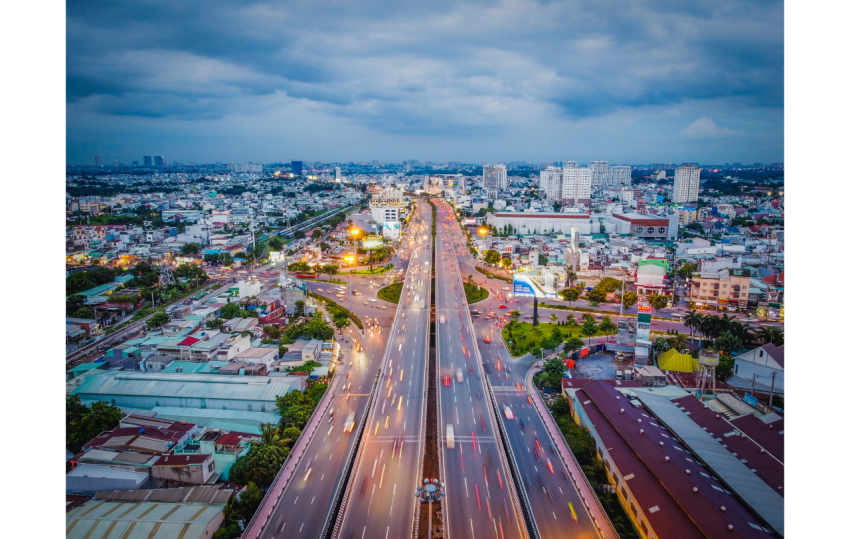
(522, 289)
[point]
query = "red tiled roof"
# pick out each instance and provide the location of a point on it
(188, 341)
(232, 439)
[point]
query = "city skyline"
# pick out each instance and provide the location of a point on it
(643, 84)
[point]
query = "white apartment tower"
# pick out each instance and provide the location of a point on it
(686, 184)
(599, 173)
(570, 184)
(620, 175)
(495, 176)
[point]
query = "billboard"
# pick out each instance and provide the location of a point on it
(277, 256)
(525, 287)
(469, 222)
(372, 242)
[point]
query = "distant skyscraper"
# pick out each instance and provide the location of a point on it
(98, 160)
(148, 161)
(159, 161)
(599, 172)
(376, 164)
(115, 163)
(620, 175)
(495, 176)
(297, 167)
(570, 185)
(337, 173)
(135, 163)
(686, 184)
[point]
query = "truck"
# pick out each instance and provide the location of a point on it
(450, 436)
(459, 376)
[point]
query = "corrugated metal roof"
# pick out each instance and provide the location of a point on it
(199, 386)
(756, 493)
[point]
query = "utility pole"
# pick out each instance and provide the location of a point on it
(772, 383)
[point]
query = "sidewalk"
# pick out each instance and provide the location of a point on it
(591, 503)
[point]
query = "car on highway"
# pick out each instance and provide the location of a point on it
(442, 319)
(348, 426)
(503, 306)
(373, 300)
(509, 414)
(450, 436)
(459, 376)
(356, 293)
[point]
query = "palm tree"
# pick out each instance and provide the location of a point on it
(269, 435)
(693, 320)
(553, 318)
(678, 341)
(515, 314)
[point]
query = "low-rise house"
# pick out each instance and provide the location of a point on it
(760, 369)
(185, 469)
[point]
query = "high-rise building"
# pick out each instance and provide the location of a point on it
(159, 161)
(148, 161)
(297, 167)
(599, 173)
(570, 185)
(495, 176)
(98, 160)
(135, 163)
(620, 175)
(115, 163)
(686, 184)
(337, 173)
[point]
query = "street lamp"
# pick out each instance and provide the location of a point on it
(482, 231)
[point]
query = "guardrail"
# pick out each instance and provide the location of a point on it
(423, 412)
(490, 401)
(261, 517)
(337, 523)
(570, 462)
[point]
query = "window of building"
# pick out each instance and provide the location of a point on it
(761, 353)
(643, 527)
(650, 230)
(662, 230)
(211, 467)
(640, 230)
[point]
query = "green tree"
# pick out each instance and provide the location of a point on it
(85, 312)
(158, 320)
(606, 326)
(298, 267)
(609, 285)
(492, 257)
(589, 328)
(536, 352)
(571, 320)
(573, 344)
(225, 259)
(657, 301)
(316, 234)
(232, 310)
(215, 323)
(82, 423)
(553, 318)
(515, 314)
(272, 332)
(190, 249)
(553, 372)
(629, 299)
(259, 466)
(728, 342)
(341, 321)
(73, 303)
(596, 295)
(687, 269)
(660, 345)
(275, 243)
(693, 321)
(300, 235)
(569, 295)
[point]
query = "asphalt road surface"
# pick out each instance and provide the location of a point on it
(545, 481)
(382, 502)
(479, 503)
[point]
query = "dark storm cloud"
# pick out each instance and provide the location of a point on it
(425, 67)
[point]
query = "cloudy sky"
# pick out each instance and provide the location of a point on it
(471, 81)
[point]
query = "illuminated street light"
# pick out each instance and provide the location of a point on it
(482, 231)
